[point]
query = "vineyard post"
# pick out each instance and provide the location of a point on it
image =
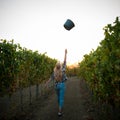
(37, 90)
(21, 96)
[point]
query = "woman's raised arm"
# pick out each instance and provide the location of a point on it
(65, 57)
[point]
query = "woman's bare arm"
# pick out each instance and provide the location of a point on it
(65, 57)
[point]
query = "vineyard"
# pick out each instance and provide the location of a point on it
(101, 67)
(26, 70)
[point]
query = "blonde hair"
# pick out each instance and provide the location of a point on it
(58, 72)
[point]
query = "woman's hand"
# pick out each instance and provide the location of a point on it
(46, 83)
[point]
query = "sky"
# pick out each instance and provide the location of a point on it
(38, 25)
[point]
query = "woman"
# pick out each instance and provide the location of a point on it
(59, 77)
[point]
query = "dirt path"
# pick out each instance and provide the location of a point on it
(76, 107)
(73, 107)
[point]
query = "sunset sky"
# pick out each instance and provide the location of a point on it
(38, 25)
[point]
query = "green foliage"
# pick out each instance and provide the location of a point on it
(20, 67)
(8, 64)
(101, 68)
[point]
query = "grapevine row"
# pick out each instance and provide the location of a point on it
(101, 67)
(20, 67)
